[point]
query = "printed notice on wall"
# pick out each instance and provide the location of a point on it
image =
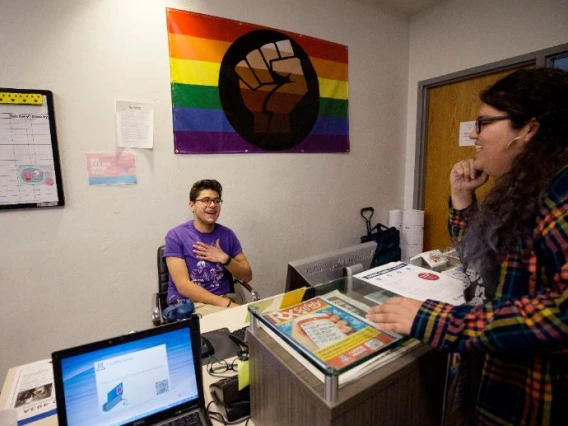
(134, 125)
(465, 129)
(113, 168)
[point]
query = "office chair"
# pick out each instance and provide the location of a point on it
(159, 300)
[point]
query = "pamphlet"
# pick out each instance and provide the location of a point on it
(415, 282)
(434, 258)
(32, 393)
(334, 336)
(452, 254)
(349, 376)
(456, 272)
(359, 309)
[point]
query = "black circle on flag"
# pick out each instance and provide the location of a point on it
(269, 90)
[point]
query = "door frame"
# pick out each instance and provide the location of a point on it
(539, 58)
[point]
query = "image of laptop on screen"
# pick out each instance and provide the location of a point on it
(150, 377)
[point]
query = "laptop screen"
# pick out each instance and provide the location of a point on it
(125, 379)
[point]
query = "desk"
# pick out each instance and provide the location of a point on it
(408, 390)
(233, 319)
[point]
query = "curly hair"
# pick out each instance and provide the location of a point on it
(507, 215)
(203, 184)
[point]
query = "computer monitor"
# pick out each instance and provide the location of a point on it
(326, 267)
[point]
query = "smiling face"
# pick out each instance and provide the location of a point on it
(205, 215)
(497, 144)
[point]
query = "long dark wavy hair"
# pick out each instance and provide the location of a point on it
(507, 214)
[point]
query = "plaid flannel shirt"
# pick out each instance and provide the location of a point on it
(523, 331)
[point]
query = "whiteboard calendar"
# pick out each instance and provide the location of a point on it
(30, 174)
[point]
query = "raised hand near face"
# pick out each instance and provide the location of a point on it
(464, 180)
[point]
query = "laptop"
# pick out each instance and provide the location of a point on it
(150, 377)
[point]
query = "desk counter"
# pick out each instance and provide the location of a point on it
(233, 319)
(407, 390)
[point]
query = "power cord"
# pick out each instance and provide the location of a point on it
(217, 416)
(220, 370)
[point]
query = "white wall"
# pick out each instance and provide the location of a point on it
(86, 271)
(462, 34)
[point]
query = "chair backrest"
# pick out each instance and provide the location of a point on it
(163, 277)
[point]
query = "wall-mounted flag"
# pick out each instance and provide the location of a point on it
(238, 87)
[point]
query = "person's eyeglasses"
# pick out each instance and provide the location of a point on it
(215, 366)
(481, 121)
(207, 201)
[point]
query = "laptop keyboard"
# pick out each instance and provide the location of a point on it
(191, 419)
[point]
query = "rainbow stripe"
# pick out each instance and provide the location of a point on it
(197, 45)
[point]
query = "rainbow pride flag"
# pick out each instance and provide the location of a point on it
(218, 109)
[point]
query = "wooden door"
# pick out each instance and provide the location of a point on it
(448, 105)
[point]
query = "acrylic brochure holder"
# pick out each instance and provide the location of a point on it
(324, 327)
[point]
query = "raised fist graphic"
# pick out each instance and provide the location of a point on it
(269, 90)
(272, 83)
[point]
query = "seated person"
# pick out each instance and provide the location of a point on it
(202, 255)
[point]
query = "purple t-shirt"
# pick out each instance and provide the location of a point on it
(211, 276)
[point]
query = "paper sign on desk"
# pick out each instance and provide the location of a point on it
(33, 394)
(415, 282)
(278, 302)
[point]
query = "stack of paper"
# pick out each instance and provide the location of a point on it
(415, 282)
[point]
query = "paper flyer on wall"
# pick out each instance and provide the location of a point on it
(334, 336)
(415, 282)
(32, 393)
(134, 125)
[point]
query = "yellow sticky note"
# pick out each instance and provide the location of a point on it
(244, 378)
(293, 297)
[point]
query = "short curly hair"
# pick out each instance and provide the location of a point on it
(203, 184)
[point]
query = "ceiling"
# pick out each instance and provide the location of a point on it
(407, 7)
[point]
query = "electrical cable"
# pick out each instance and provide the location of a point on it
(217, 416)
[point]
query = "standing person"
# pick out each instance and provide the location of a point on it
(202, 254)
(514, 248)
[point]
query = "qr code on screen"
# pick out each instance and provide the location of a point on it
(162, 386)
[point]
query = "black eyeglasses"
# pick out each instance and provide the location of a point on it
(207, 201)
(481, 121)
(215, 366)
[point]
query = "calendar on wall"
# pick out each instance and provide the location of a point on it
(30, 172)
